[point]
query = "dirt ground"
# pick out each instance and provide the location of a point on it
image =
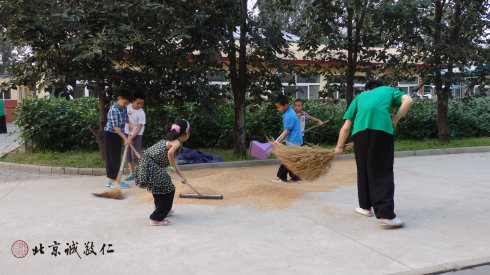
(252, 186)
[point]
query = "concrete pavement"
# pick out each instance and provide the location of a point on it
(479, 270)
(13, 175)
(443, 199)
(11, 140)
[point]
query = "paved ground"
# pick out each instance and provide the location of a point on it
(13, 175)
(480, 270)
(443, 199)
(9, 141)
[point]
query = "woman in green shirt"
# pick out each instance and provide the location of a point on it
(3, 120)
(373, 129)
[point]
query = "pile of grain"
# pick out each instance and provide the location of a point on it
(252, 186)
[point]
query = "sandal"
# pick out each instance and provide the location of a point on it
(171, 213)
(165, 222)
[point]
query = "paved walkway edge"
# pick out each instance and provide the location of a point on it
(229, 164)
(448, 267)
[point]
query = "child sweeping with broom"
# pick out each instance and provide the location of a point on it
(292, 135)
(153, 167)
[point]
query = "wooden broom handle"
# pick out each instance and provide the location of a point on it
(318, 125)
(121, 168)
(134, 151)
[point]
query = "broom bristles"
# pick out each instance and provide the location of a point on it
(114, 193)
(306, 162)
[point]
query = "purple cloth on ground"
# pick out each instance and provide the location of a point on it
(189, 156)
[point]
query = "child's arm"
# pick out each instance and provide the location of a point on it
(317, 120)
(283, 135)
(173, 146)
(130, 125)
(343, 135)
(118, 131)
(136, 131)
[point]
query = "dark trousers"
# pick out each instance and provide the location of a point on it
(374, 151)
(112, 154)
(3, 125)
(163, 205)
(282, 173)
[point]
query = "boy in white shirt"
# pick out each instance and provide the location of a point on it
(137, 118)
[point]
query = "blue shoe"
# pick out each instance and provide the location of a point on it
(109, 184)
(124, 185)
(130, 177)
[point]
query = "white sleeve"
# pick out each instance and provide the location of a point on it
(142, 118)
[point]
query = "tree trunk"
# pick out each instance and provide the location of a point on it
(442, 108)
(240, 145)
(443, 120)
(241, 88)
(442, 94)
(103, 109)
(349, 90)
(351, 63)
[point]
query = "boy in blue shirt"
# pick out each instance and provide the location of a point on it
(113, 135)
(292, 134)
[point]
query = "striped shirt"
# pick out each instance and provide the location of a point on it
(305, 114)
(116, 117)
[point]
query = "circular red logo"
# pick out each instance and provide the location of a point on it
(20, 249)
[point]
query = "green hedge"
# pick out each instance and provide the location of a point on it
(58, 124)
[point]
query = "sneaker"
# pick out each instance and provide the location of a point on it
(392, 223)
(124, 185)
(130, 177)
(365, 212)
(109, 184)
(278, 180)
(171, 213)
(165, 222)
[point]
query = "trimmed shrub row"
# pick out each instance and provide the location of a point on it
(58, 124)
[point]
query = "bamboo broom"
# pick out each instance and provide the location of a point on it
(306, 162)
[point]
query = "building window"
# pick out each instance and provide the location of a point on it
(479, 90)
(337, 84)
(428, 90)
(218, 79)
(305, 87)
(5, 94)
(409, 86)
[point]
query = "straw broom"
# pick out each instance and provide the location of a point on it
(306, 162)
(115, 192)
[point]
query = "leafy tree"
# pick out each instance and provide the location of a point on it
(288, 14)
(137, 44)
(6, 55)
(167, 49)
(253, 51)
(342, 34)
(441, 35)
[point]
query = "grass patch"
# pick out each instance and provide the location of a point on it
(78, 159)
(408, 145)
(82, 159)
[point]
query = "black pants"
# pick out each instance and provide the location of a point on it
(282, 173)
(112, 154)
(374, 152)
(3, 125)
(163, 205)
